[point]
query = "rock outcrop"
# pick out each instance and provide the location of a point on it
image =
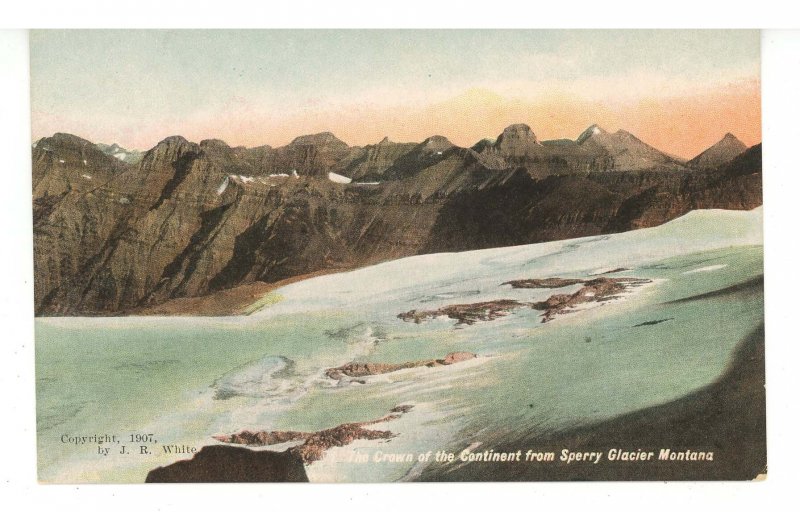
(595, 290)
(367, 369)
(550, 282)
(224, 463)
(315, 444)
(217, 464)
(599, 289)
(466, 314)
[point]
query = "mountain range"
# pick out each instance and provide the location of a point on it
(120, 232)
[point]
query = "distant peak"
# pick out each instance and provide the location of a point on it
(110, 147)
(517, 134)
(722, 152)
(729, 137)
(730, 140)
(590, 132)
(318, 139)
(436, 139)
(436, 143)
(519, 129)
(385, 140)
(516, 139)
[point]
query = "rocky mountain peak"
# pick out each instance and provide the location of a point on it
(730, 141)
(590, 132)
(173, 141)
(65, 162)
(516, 140)
(326, 139)
(67, 139)
(70, 150)
(214, 143)
(170, 149)
(175, 144)
(721, 153)
(436, 143)
(517, 133)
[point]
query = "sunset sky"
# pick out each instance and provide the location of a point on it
(679, 91)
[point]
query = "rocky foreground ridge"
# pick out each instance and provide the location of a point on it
(192, 220)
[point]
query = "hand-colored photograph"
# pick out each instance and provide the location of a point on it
(397, 255)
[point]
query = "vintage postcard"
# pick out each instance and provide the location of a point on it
(397, 255)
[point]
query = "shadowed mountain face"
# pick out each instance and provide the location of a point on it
(193, 219)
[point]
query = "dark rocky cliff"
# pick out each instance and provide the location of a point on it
(194, 219)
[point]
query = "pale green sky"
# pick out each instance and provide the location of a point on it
(136, 86)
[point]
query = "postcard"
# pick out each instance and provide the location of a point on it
(397, 255)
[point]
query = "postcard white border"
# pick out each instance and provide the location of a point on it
(781, 83)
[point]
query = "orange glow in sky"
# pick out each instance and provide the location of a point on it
(680, 91)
